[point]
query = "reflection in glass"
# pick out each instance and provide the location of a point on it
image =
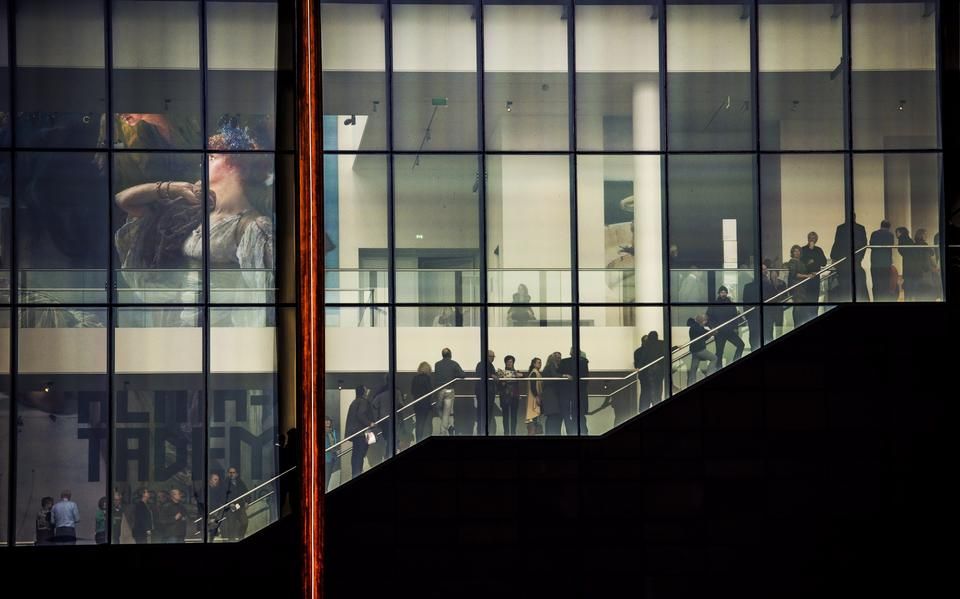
(353, 81)
(618, 83)
(355, 221)
(434, 77)
(627, 355)
(708, 64)
(242, 422)
(352, 381)
(447, 339)
(60, 87)
(903, 260)
(801, 76)
(156, 74)
(437, 232)
(894, 79)
(712, 226)
(525, 77)
(158, 208)
(241, 237)
(528, 228)
(62, 208)
(519, 401)
(802, 198)
(61, 421)
(242, 69)
(620, 238)
(157, 490)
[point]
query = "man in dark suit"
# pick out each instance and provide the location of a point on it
(651, 375)
(570, 392)
(841, 249)
(881, 261)
(486, 391)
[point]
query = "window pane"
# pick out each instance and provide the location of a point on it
(61, 421)
(423, 335)
(4, 421)
(60, 77)
(241, 72)
(801, 76)
(904, 190)
(708, 64)
(4, 79)
(62, 240)
(353, 82)
(5, 241)
(525, 77)
(618, 81)
(154, 216)
(802, 198)
(620, 237)
(355, 221)
(241, 228)
(242, 420)
(156, 74)
(528, 229)
(434, 77)
(347, 329)
(158, 427)
(626, 364)
(712, 226)
(894, 85)
(437, 232)
(511, 410)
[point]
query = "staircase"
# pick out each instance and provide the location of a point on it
(808, 467)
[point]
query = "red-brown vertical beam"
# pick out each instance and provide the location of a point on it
(311, 312)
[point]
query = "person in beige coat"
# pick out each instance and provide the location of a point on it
(534, 391)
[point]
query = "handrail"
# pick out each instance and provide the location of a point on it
(710, 332)
(253, 490)
(830, 267)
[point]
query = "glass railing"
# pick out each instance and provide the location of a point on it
(160, 286)
(250, 512)
(705, 339)
(700, 285)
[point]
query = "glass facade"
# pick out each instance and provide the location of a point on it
(547, 217)
(146, 290)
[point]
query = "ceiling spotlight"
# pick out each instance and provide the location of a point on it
(350, 120)
(419, 235)
(509, 105)
(47, 386)
(900, 107)
(796, 103)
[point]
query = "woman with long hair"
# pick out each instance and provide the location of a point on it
(421, 385)
(534, 394)
(164, 227)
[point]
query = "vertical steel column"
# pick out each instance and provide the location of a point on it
(311, 317)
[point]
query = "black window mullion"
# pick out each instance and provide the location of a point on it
(14, 291)
(109, 282)
(665, 197)
(482, 424)
(391, 233)
(204, 312)
(758, 196)
(848, 170)
(582, 403)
